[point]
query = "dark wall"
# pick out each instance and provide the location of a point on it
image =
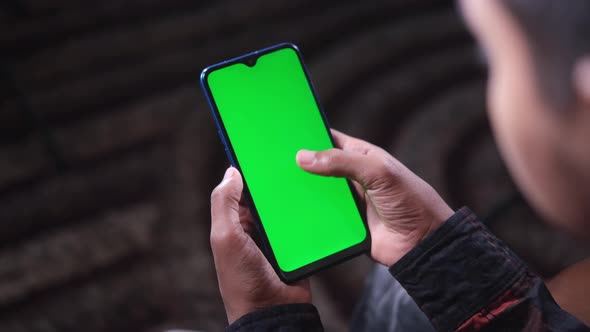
(108, 151)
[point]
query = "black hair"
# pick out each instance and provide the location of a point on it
(558, 34)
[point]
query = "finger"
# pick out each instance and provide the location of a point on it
(246, 215)
(359, 189)
(246, 220)
(350, 143)
(369, 170)
(225, 209)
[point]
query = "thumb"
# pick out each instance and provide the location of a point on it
(368, 170)
(225, 209)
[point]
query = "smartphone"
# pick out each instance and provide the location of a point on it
(266, 110)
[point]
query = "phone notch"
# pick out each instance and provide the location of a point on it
(251, 60)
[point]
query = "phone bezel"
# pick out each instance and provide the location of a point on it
(326, 262)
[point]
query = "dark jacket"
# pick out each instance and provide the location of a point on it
(462, 277)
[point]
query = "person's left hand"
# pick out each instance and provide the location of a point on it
(246, 279)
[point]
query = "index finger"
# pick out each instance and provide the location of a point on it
(349, 143)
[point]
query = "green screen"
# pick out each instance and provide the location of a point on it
(269, 113)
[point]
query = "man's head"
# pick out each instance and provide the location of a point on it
(539, 98)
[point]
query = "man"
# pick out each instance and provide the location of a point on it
(461, 276)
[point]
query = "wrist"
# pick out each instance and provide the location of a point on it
(439, 217)
(389, 246)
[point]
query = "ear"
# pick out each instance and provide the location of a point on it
(582, 80)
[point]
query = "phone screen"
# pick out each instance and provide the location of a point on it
(268, 112)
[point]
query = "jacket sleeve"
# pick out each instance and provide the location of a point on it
(284, 318)
(465, 279)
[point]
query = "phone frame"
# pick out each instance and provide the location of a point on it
(289, 277)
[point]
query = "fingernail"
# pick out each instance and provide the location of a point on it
(229, 173)
(305, 157)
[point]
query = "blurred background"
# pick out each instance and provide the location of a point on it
(108, 150)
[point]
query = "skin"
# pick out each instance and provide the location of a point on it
(247, 282)
(401, 210)
(570, 289)
(546, 151)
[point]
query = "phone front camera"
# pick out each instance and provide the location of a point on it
(251, 61)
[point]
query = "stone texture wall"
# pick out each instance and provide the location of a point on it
(108, 151)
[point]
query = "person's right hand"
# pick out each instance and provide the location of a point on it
(402, 209)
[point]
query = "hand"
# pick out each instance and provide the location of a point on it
(402, 209)
(247, 282)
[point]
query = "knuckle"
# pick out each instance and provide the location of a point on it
(384, 172)
(221, 238)
(327, 158)
(215, 239)
(388, 165)
(223, 195)
(387, 168)
(218, 194)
